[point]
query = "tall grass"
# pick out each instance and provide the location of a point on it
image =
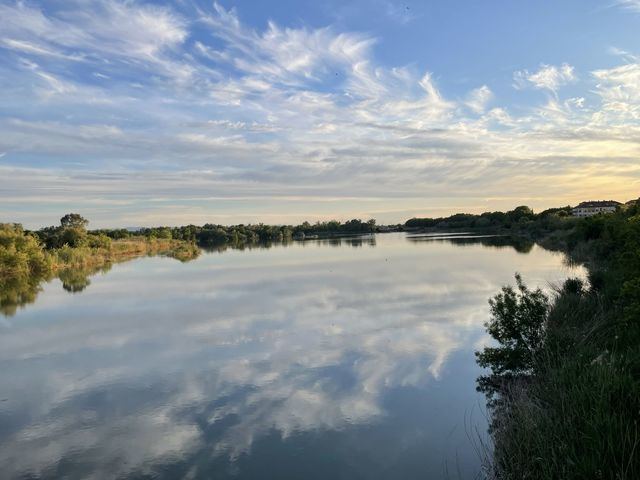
(577, 416)
(572, 411)
(121, 250)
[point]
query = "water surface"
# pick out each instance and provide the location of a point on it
(337, 359)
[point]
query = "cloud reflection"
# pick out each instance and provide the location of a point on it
(159, 363)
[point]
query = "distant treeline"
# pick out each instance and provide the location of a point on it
(210, 235)
(521, 217)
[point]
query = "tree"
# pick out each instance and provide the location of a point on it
(73, 236)
(74, 220)
(372, 225)
(521, 212)
(517, 324)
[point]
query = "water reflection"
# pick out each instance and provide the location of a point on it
(298, 362)
(519, 244)
(75, 280)
(18, 292)
(337, 241)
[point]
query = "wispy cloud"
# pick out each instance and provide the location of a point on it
(98, 31)
(137, 101)
(478, 99)
(629, 4)
(619, 89)
(548, 77)
(283, 55)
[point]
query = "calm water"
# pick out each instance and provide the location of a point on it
(343, 360)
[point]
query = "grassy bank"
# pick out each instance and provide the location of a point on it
(72, 254)
(119, 251)
(565, 375)
(22, 254)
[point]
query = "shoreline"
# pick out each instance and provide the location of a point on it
(563, 392)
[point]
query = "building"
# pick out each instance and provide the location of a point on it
(588, 209)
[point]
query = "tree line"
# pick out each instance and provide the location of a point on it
(210, 235)
(520, 217)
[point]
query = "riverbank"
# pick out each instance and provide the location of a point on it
(23, 254)
(122, 250)
(26, 262)
(564, 387)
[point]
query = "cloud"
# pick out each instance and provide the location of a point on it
(627, 56)
(140, 101)
(34, 48)
(97, 31)
(619, 89)
(283, 55)
(549, 77)
(478, 99)
(629, 4)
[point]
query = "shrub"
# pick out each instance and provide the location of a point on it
(517, 324)
(99, 241)
(21, 253)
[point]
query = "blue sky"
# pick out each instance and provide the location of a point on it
(146, 113)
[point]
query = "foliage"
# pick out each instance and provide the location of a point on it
(69, 252)
(74, 280)
(213, 235)
(569, 406)
(16, 292)
(74, 220)
(517, 324)
(519, 221)
(20, 254)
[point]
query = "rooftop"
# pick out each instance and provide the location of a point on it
(599, 203)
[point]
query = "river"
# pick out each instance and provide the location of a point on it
(343, 359)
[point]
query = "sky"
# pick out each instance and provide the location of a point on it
(139, 113)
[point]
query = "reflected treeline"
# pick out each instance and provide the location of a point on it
(242, 246)
(27, 259)
(520, 245)
(357, 241)
(18, 292)
(21, 291)
(75, 280)
(350, 241)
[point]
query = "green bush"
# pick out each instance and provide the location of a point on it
(517, 324)
(98, 241)
(21, 254)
